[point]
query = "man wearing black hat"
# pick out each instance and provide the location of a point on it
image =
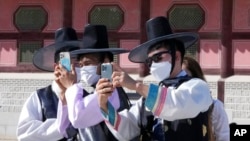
(174, 110)
(83, 110)
(38, 120)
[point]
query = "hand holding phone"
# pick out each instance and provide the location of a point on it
(65, 60)
(106, 71)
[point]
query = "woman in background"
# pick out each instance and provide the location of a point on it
(220, 124)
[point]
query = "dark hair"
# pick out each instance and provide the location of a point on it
(172, 45)
(64, 49)
(100, 56)
(193, 66)
(110, 56)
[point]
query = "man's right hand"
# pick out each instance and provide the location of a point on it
(104, 89)
(63, 89)
(66, 78)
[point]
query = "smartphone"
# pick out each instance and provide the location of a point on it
(65, 60)
(106, 71)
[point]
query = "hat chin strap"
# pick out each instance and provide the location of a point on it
(173, 58)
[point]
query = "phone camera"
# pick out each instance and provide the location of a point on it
(61, 56)
(104, 67)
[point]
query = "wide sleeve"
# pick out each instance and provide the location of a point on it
(186, 101)
(83, 110)
(220, 122)
(30, 126)
(63, 120)
(124, 125)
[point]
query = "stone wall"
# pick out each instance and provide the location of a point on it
(16, 87)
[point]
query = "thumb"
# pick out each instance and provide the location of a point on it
(116, 67)
(73, 69)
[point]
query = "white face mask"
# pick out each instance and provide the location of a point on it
(87, 74)
(160, 70)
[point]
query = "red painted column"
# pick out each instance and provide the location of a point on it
(67, 13)
(226, 48)
(226, 39)
(145, 15)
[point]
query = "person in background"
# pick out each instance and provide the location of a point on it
(174, 110)
(83, 111)
(39, 120)
(220, 125)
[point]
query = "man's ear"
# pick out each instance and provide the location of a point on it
(98, 69)
(56, 66)
(177, 56)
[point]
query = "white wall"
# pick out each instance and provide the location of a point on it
(16, 87)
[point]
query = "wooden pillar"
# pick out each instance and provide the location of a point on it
(226, 39)
(221, 90)
(145, 15)
(226, 48)
(67, 13)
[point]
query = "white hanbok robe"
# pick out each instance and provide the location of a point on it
(82, 112)
(187, 101)
(30, 126)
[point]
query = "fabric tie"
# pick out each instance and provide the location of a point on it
(158, 130)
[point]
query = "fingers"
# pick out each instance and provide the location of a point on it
(106, 91)
(62, 69)
(116, 84)
(103, 83)
(116, 67)
(104, 87)
(73, 69)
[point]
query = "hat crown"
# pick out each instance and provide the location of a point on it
(65, 34)
(158, 27)
(95, 37)
(45, 57)
(158, 30)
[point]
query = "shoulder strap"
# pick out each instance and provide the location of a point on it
(146, 133)
(124, 100)
(211, 136)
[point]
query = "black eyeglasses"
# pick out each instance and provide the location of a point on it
(156, 58)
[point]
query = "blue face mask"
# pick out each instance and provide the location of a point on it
(160, 70)
(87, 74)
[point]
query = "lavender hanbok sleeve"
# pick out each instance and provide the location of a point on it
(84, 111)
(63, 120)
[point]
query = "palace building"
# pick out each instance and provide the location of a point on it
(223, 49)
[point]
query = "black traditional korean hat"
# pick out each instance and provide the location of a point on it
(158, 29)
(95, 40)
(45, 57)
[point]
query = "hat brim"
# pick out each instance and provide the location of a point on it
(44, 57)
(139, 53)
(114, 51)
